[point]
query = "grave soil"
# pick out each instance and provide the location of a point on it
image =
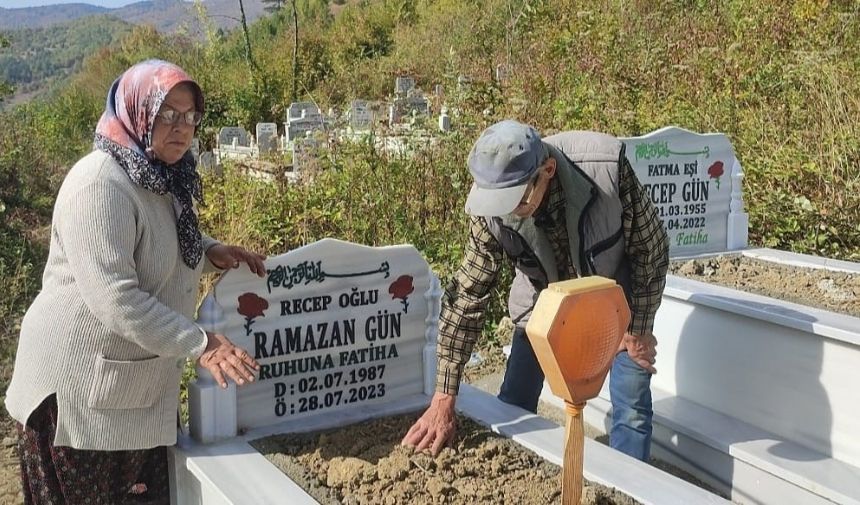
(364, 463)
(824, 289)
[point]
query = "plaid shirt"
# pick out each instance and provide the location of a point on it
(646, 246)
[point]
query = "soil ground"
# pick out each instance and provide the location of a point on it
(814, 287)
(824, 289)
(365, 464)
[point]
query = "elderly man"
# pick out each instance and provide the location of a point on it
(563, 207)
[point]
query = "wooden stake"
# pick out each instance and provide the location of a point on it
(571, 484)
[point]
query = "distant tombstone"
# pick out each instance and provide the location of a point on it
(228, 134)
(303, 117)
(334, 326)
(402, 85)
(695, 182)
(416, 103)
(393, 116)
(501, 73)
(207, 163)
(463, 83)
(303, 110)
(267, 137)
(360, 115)
(444, 121)
(195, 149)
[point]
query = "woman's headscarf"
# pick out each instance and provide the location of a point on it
(125, 132)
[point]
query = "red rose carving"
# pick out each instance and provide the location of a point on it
(251, 306)
(715, 171)
(401, 289)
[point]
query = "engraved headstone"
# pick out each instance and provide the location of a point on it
(267, 137)
(303, 117)
(233, 135)
(403, 84)
(360, 115)
(334, 326)
(695, 182)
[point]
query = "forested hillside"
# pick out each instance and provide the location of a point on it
(46, 15)
(165, 15)
(780, 77)
(37, 57)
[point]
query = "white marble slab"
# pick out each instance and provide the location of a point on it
(333, 325)
(602, 464)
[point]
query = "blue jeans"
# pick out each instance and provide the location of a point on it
(629, 391)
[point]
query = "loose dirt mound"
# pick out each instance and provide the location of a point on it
(825, 289)
(365, 464)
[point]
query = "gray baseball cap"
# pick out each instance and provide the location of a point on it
(502, 162)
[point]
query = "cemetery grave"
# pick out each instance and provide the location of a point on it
(833, 290)
(364, 463)
(346, 333)
(732, 365)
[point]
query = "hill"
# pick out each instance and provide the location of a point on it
(46, 15)
(165, 15)
(38, 57)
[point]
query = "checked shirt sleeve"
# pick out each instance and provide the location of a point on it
(646, 247)
(464, 304)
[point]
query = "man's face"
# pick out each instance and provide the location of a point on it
(536, 190)
(171, 141)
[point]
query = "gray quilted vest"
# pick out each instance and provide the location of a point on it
(587, 169)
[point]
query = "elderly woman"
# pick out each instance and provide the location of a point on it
(95, 389)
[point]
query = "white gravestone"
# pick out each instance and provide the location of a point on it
(230, 134)
(695, 182)
(267, 137)
(402, 85)
(195, 149)
(360, 115)
(303, 117)
(334, 326)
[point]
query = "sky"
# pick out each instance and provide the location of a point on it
(12, 4)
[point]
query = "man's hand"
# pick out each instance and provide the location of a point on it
(642, 349)
(226, 257)
(436, 427)
(222, 357)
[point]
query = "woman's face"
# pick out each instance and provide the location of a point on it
(171, 141)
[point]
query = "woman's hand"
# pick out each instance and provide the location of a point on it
(226, 257)
(222, 357)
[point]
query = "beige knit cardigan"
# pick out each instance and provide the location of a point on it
(112, 326)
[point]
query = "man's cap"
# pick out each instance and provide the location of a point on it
(502, 162)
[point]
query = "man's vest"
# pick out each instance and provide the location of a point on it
(587, 169)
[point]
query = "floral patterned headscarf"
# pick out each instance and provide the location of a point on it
(125, 132)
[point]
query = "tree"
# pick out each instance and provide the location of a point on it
(293, 94)
(6, 89)
(249, 55)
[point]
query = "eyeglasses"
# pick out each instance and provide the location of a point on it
(170, 117)
(529, 192)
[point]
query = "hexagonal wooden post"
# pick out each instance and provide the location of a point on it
(575, 330)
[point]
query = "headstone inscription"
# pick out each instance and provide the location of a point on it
(403, 84)
(227, 135)
(334, 326)
(360, 115)
(303, 117)
(695, 182)
(267, 137)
